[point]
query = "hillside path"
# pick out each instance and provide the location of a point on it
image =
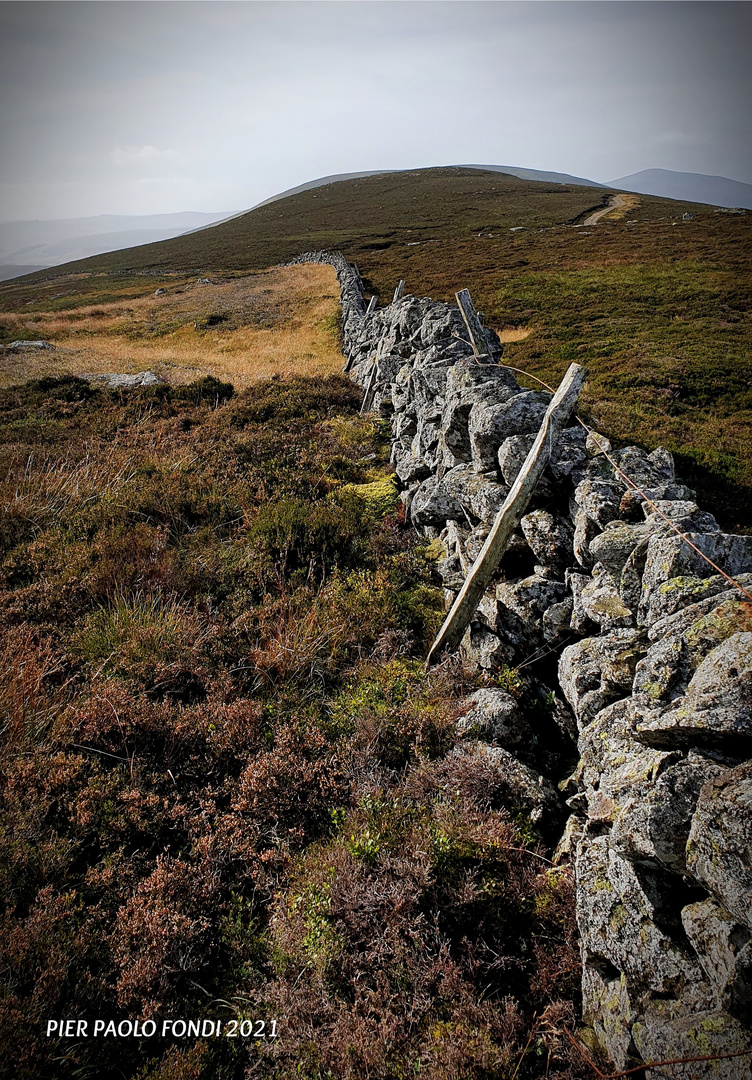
(616, 202)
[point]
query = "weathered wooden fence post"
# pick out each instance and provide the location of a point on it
(398, 292)
(508, 518)
(371, 306)
(371, 386)
(473, 323)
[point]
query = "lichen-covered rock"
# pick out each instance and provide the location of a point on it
(601, 602)
(557, 621)
(476, 538)
(619, 923)
(512, 454)
(441, 324)
(518, 634)
(724, 949)
(489, 424)
(615, 544)
(616, 772)
(530, 597)
(550, 539)
(585, 530)
(716, 710)
(597, 671)
(653, 827)
(401, 390)
(678, 593)
(609, 1012)
(494, 716)
(576, 584)
(566, 848)
(619, 539)
(668, 1031)
(124, 382)
(433, 503)
(569, 457)
(487, 498)
(486, 649)
(599, 498)
(669, 557)
(719, 849)
(410, 465)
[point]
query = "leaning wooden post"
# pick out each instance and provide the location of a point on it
(510, 515)
(472, 322)
(372, 380)
(398, 292)
(370, 388)
(371, 305)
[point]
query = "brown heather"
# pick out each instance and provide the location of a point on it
(228, 786)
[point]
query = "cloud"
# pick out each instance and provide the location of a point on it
(129, 155)
(166, 181)
(676, 138)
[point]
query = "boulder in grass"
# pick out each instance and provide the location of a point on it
(18, 345)
(125, 382)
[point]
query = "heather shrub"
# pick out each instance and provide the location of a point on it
(300, 536)
(28, 667)
(396, 712)
(288, 790)
(163, 935)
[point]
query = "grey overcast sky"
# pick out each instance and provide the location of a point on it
(150, 107)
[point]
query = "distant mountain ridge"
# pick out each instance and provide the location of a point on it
(40, 244)
(687, 187)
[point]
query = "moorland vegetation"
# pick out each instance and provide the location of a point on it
(229, 787)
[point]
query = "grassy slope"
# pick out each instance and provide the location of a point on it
(657, 308)
(358, 216)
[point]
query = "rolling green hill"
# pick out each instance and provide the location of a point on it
(372, 213)
(656, 306)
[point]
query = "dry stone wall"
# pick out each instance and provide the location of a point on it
(647, 653)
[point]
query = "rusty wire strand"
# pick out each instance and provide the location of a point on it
(648, 1064)
(635, 487)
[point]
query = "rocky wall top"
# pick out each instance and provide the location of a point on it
(647, 651)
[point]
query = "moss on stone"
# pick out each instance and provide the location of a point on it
(380, 497)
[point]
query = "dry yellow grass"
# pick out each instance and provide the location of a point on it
(514, 333)
(279, 321)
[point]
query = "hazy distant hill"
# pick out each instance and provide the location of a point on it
(537, 174)
(11, 270)
(29, 245)
(690, 187)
